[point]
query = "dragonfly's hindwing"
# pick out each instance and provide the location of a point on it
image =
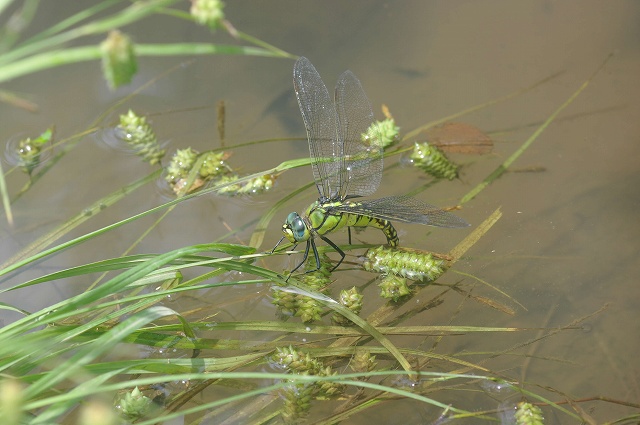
(362, 162)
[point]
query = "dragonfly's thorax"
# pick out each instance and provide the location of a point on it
(322, 218)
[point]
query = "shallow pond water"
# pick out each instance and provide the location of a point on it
(566, 245)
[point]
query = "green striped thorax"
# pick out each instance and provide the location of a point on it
(316, 220)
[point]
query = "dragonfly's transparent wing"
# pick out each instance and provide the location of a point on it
(320, 120)
(404, 209)
(362, 162)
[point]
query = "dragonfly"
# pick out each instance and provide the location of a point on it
(347, 164)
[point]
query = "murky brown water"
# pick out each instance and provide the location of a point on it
(568, 241)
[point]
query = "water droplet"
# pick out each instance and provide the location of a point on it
(497, 387)
(406, 161)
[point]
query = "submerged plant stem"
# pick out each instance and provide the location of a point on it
(506, 164)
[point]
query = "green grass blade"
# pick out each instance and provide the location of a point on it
(68, 308)
(417, 131)
(4, 4)
(502, 168)
(92, 351)
(357, 320)
(80, 218)
(181, 49)
(131, 14)
(68, 56)
(473, 237)
(4, 193)
(174, 366)
(12, 267)
(9, 33)
(55, 409)
(72, 20)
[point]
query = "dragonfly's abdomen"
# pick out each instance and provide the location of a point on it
(387, 228)
(324, 221)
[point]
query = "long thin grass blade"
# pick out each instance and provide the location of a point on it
(4, 193)
(80, 218)
(506, 164)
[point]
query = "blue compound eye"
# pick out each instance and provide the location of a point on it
(298, 228)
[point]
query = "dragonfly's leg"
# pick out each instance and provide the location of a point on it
(279, 242)
(348, 231)
(315, 254)
(304, 257)
(338, 250)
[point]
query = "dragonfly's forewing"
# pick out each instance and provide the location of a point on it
(404, 209)
(320, 120)
(362, 162)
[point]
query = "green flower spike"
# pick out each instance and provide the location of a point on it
(383, 133)
(297, 401)
(118, 59)
(352, 299)
(410, 264)
(138, 134)
(134, 405)
(433, 161)
(363, 361)
(394, 288)
(208, 12)
(254, 186)
(528, 414)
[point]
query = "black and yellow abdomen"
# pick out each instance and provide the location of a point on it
(323, 219)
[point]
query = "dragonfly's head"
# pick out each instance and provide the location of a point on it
(295, 229)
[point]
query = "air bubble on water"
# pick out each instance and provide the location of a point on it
(406, 161)
(507, 413)
(163, 188)
(497, 387)
(11, 154)
(12, 150)
(114, 138)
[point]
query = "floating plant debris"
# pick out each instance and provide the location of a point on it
(254, 186)
(212, 165)
(457, 137)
